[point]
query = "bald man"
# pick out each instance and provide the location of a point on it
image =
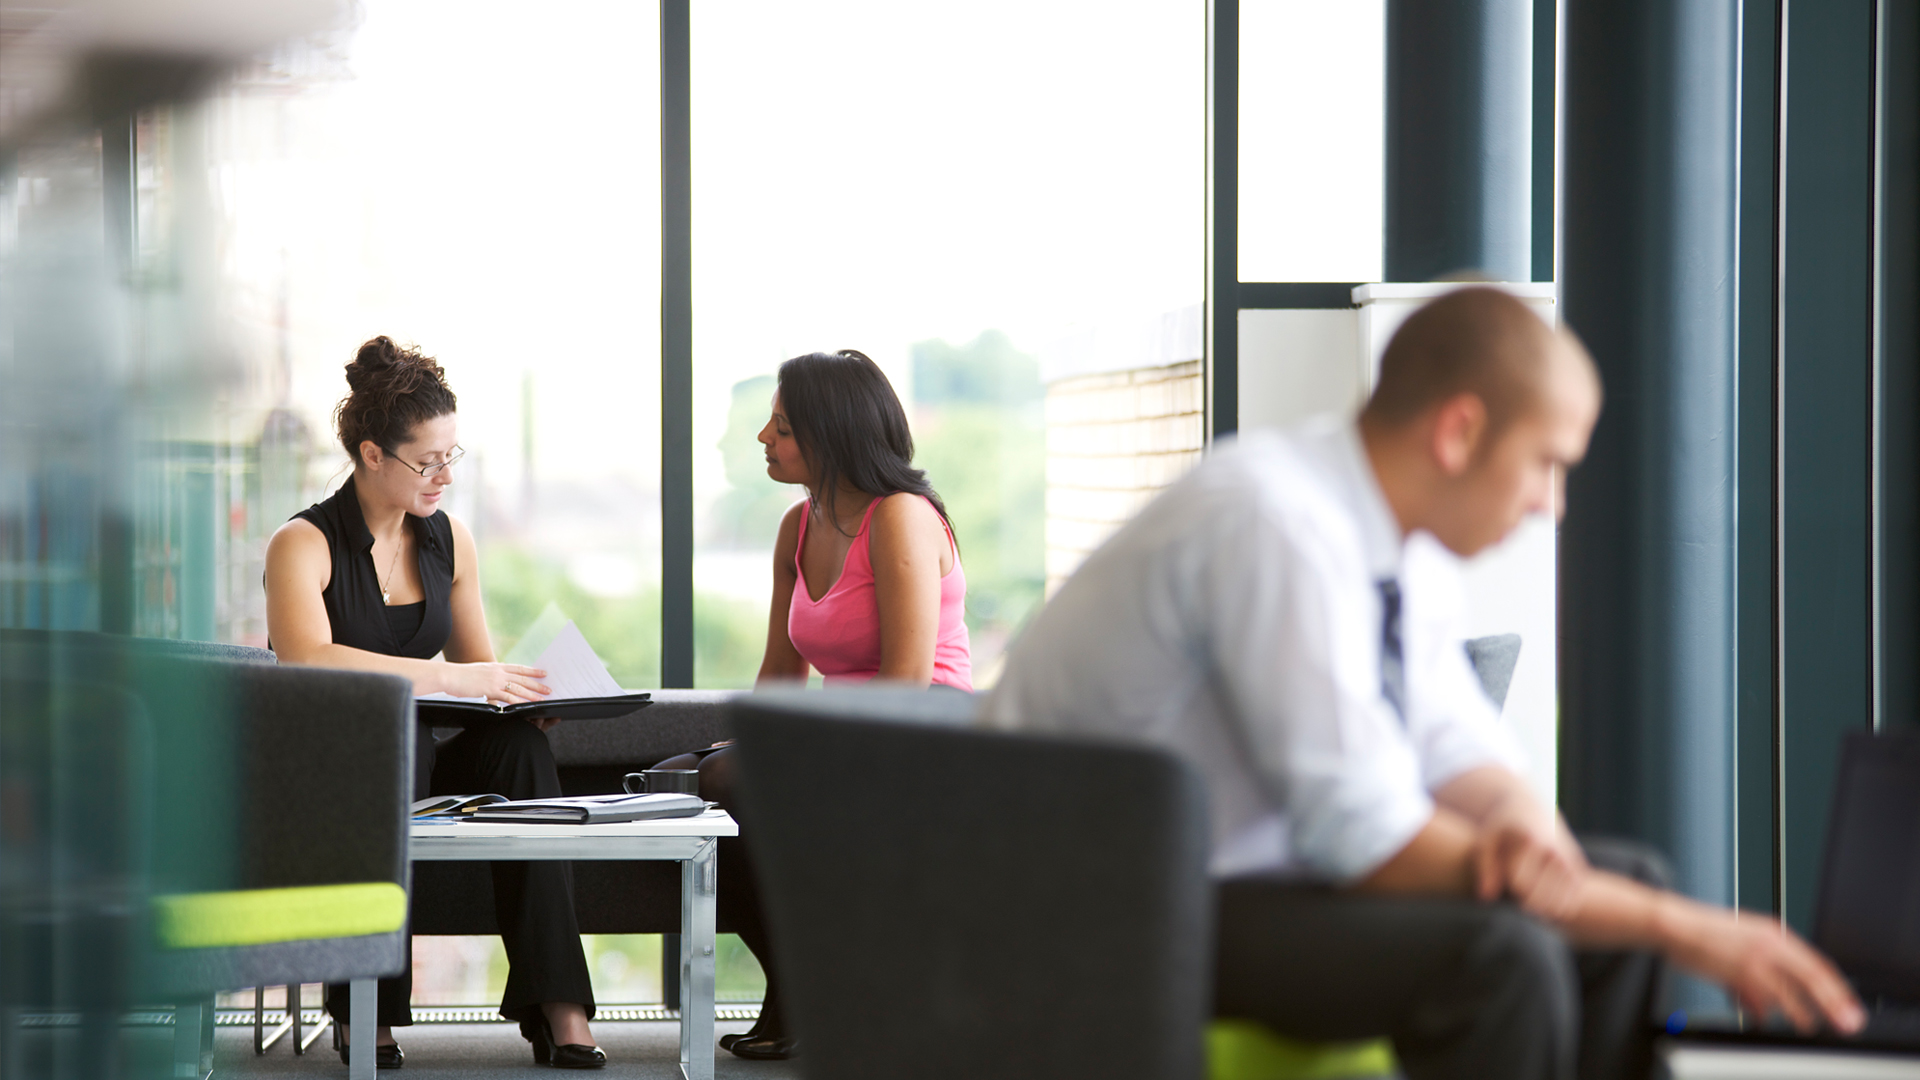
(1288, 617)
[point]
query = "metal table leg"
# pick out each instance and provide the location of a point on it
(193, 1040)
(697, 892)
(364, 1007)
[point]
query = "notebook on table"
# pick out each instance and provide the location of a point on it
(562, 810)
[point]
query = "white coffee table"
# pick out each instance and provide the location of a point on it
(691, 842)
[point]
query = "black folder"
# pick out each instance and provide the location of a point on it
(441, 713)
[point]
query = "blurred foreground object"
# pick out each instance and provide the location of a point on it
(124, 763)
(158, 806)
(88, 61)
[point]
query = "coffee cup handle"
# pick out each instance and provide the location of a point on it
(635, 783)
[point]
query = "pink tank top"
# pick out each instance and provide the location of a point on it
(839, 634)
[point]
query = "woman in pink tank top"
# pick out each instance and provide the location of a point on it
(867, 582)
(867, 585)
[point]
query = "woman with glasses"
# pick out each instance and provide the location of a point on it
(379, 578)
(867, 586)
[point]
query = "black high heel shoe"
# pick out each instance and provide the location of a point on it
(765, 1047)
(384, 1057)
(562, 1056)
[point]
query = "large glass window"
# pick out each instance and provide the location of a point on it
(482, 181)
(1312, 140)
(485, 184)
(984, 200)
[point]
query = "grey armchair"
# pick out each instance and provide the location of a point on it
(977, 904)
(214, 781)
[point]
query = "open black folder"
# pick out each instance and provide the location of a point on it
(446, 712)
(591, 809)
(561, 809)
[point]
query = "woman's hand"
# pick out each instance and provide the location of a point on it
(501, 684)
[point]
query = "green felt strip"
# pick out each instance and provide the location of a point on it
(1244, 1050)
(260, 916)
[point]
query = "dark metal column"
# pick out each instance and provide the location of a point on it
(1898, 351)
(1223, 218)
(1826, 417)
(1648, 277)
(1459, 138)
(1757, 878)
(1546, 111)
(676, 347)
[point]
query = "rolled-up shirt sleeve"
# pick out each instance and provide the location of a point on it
(1281, 618)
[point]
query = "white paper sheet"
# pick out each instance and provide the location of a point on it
(573, 670)
(537, 637)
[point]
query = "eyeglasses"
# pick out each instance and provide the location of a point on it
(430, 471)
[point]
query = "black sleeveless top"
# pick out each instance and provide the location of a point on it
(360, 618)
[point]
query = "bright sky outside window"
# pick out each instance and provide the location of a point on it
(482, 180)
(954, 191)
(1312, 140)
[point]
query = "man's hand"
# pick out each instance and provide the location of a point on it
(1522, 855)
(1516, 857)
(1521, 849)
(1764, 964)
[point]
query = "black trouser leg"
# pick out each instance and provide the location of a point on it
(1622, 992)
(533, 900)
(396, 992)
(739, 898)
(1463, 989)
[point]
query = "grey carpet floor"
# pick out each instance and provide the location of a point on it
(638, 1048)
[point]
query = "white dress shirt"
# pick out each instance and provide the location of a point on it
(1238, 622)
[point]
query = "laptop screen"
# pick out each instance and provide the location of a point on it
(1867, 917)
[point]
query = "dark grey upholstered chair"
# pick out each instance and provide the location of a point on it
(1494, 658)
(240, 761)
(593, 755)
(323, 761)
(323, 764)
(949, 902)
(35, 643)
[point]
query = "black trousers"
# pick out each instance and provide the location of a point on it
(1463, 989)
(738, 902)
(532, 901)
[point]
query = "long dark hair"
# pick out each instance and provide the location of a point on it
(850, 427)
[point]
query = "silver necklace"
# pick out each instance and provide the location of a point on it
(391, 563)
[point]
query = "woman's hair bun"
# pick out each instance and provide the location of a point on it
(375, 357)
(394, 390)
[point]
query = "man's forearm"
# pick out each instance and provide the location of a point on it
(1490, 792)
(1438, 861)
(1618, 912)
